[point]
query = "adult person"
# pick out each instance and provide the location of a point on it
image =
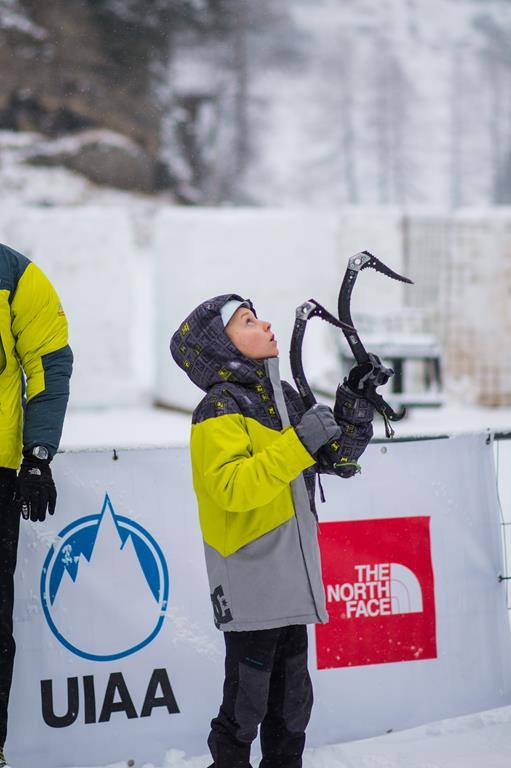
(35, 367)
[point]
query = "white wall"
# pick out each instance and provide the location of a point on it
(92, 258)
(127, 277)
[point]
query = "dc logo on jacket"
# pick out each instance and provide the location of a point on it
(221, 610)
(99, 561)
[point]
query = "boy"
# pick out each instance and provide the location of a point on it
(254, 452)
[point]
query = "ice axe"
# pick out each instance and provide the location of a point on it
(311, 308)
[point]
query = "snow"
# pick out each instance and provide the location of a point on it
(23, 184)
(125, 428)
(451, 419)
(70, 144)
(130, 268)
(12, 16)
(383, 84)
(160, 427)
(482, 740)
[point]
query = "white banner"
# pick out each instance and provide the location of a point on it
(118, 657)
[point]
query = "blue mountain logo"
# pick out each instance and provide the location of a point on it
(105, 586)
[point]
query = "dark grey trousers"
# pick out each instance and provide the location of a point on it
(267, 684)
(9, 532)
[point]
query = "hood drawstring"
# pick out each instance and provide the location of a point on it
(321, 491)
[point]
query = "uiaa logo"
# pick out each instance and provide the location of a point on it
(105, 586)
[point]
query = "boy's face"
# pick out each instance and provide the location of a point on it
(251, 336)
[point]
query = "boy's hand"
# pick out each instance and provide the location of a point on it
(351, 408)
(317, 427)
(373, 373)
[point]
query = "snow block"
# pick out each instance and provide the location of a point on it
(91, 257)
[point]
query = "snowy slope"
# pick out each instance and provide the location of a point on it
(145, 426)
(475, 741)
(24, 184)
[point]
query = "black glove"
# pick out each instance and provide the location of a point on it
(35, 489)
(373, 373)
(351, 408)
(354, 415)
(317, 427)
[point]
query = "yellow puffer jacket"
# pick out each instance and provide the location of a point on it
(33, 339)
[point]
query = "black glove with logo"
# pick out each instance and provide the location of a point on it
(370, 374)
(354, 415)
(35, 489)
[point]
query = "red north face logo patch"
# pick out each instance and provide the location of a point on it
(379, 587)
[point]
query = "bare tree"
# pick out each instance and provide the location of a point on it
(496, 63)
(391, 105)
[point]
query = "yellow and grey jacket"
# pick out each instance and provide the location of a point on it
(254, 482)
(33, 341)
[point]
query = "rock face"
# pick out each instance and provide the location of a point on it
(171, 76)
(104, 157)
(70, 65)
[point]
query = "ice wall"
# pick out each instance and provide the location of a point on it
(128, 276)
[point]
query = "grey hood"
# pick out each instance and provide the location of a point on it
(203, 350)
